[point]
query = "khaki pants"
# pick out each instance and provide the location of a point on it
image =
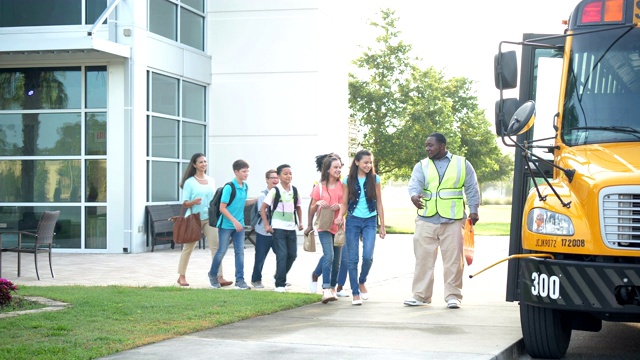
(426, 240)
(212, 238)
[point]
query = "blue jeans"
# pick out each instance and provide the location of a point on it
(264, 243)
(238, 250)
(354, 227)
(329, 264)
(344, 266)
(285, 245)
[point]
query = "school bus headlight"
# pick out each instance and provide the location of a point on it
(543, 221)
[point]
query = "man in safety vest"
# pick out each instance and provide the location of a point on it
(436, 189)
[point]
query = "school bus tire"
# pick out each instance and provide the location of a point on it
(546, 332)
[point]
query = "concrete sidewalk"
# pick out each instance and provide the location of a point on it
(485, 327)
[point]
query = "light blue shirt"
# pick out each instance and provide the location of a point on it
(236, 208)
(192, 189)
(362, 210)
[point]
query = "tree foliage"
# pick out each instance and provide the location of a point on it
(397, 105)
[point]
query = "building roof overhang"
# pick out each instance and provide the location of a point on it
(62, 45)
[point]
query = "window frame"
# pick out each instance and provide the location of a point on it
(181, 159)
(180, 7)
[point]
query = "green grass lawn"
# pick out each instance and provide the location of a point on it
(494, 220)
(105, 320)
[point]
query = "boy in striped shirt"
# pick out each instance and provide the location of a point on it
(281, 212)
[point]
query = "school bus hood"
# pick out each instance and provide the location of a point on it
(603, 165)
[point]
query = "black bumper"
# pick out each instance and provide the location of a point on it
(581, 286)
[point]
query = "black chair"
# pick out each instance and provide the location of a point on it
(43, 240)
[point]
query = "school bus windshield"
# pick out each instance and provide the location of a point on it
(603, 89)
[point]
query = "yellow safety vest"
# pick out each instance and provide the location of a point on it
(448, 201)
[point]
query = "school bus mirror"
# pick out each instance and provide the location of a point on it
(522, 119)
(505, 108)
(505, 70)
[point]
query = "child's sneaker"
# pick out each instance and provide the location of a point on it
(242, 285)
(213, 280)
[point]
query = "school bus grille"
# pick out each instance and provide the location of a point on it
(620, 217)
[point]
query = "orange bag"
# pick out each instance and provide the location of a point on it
(468, 241)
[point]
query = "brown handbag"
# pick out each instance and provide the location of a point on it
(186, 229)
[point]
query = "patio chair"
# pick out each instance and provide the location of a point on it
(43, 240)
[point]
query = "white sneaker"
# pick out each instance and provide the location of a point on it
(280, 289)
(342, 293)
(453, 304)
(414, 302)
(313, 285)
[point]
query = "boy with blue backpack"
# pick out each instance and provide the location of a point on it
(264, 240)
(231, 224)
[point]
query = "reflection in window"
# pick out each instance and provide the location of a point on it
(26, 218)
(193, 101)
(96, 185)
(46, 146)
(34, 134)
(164, 137)
(164, 181)
(40, 181)
(96, 87)
(193, 139)
(164, 94)
(40, 88)
(162, 19)
(96, 139)
(95, 227)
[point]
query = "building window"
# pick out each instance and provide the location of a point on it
(178, 20)
(176, 123)
(15, 13)
(53, 149)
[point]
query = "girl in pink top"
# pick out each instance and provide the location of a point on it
(327, 196)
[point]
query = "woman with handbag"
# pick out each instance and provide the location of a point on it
(362, 202)
(326, 199)
(197, 192)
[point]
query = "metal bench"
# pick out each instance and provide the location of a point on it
(160, 227)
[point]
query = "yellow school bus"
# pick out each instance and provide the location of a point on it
(574, 124)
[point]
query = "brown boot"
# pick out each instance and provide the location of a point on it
(224, 282)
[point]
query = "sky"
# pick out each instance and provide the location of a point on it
(458, 37)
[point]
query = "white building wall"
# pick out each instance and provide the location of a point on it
(279, 89)
(150, 52)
